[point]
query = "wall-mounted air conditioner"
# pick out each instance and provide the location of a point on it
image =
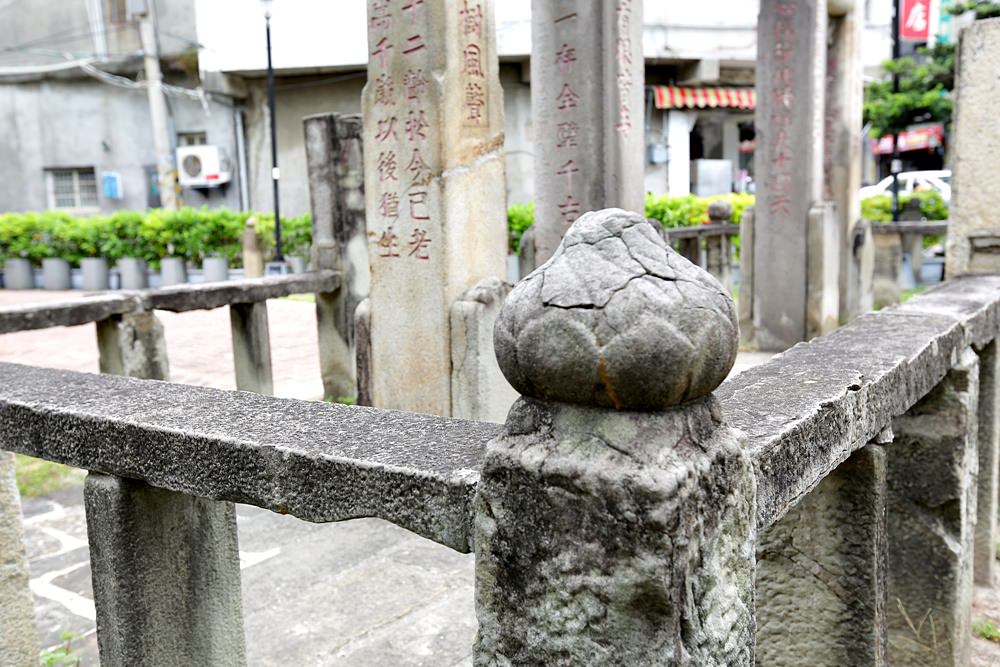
(203, 167)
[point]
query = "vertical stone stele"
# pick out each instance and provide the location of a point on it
(434, 186)
(615, 515)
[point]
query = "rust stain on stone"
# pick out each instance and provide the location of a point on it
(602, 372)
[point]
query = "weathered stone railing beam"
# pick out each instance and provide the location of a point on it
(316, 461)
(65, 313)
(808, 409)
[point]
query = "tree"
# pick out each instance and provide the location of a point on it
(926, 83)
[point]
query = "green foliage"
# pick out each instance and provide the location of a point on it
(984, 9)
(36, 477)
(879, 207)
(193, 234)
(519, 218)
(63, 655)
(986, 629)
(690, 210)
(925, 86)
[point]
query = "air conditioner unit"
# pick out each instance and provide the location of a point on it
(203, 167)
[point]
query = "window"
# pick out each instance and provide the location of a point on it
(72, 188)
(191, 139)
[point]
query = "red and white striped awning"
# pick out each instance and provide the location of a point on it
(687, 97)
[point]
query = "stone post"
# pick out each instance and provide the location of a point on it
(746, 300)
(336, 191)
(133, 345)
(588, 111)
(251, 347)
(166, 575)
(973, 230)
(823, 270)
(987, 536)
(791, 62)
(615, 516)
(253, 255)
(932, 521)
(821, 569)
(887, 285)
(18, 636)
(842, 149)
(434, 186)
(717, 255)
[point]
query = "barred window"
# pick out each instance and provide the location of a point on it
(72, 188)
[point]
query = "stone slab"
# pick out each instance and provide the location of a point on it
(64, 313)
(317, 461)
(205, 296)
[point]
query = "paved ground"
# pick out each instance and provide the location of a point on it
(360, 593)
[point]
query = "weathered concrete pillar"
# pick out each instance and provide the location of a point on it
(823, 270)
(842, 148)
(251, 347)
(133, 345)
(336, 191)
(434, 186)
(746, 300)
(18, 636)
(717, 255)
(973, 230)
(253, 254)
(615, 515)
(791, 61)
(914, 245)
(887, 285)
(821, 571)
(932, 520)
(987, 535)
(363, 350)
(166, 576)
(588, 112)
(478, 389)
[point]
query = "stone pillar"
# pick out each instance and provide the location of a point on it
(363, 350)
(166, 574)
(336, 191)
(478, 388)
(18, 636)
(746, 299)
(253, 255)
(251, 347)
(973, 230)
(435, 193)
(821, 569)
(791, 60)
(717, 255)
(887, 283)
(842, 146)
(588, 111)
(133, 345)
(932, 520)
(987, 535)
(823, 271)
(615, 516)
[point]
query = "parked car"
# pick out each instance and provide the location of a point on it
(910, 181)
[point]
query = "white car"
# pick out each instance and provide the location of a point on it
(910, 181)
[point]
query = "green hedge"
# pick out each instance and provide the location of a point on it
(879, 207)
(193, 234)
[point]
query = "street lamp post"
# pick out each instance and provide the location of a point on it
(275, 173)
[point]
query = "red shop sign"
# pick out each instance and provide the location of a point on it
(915, 20)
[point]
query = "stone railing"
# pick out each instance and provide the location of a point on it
(892, 240)
(826, 508)
(130, 338)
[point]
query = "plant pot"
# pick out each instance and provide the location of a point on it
(95, 274)
(172, 271)
(133, 273)
(216, 269)
(18, 274)
(55, 274)
(297, 264)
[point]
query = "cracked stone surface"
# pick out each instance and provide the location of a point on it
(616, 318)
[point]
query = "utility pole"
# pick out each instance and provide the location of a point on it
(165, 169)
(896, 164)
(271, 107)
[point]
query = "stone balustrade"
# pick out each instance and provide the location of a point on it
(629, 512)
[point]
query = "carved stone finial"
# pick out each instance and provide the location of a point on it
(720, 211)
(616, 318)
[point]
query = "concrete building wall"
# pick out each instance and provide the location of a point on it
(86, 123)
